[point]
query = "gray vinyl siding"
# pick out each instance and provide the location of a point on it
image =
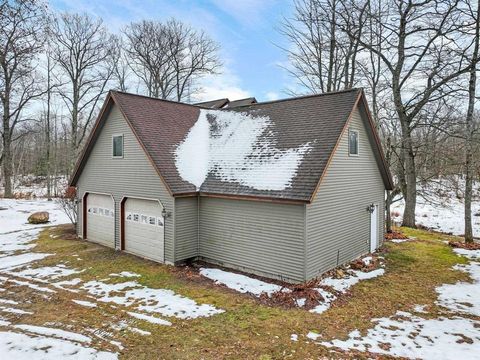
(186, 228)
(337, 223)
(263, 238)
(131, 176)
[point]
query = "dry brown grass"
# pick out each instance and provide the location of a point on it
(247, 329)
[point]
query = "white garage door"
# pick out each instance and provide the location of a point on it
(101, 219)
(144, 228)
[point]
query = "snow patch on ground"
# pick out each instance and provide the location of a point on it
(415, 337)
(398, 241)
(150, 319)
(313, 335)
(85, 303)
(27, 347)
(462, 296)
(14, 218)
(471, 254)
(126, 274)
(58, 333)
(440, 209)
(411, 336)
(160, 301)
(420, 309)
(342, 285)
(236, 147)
(15, 261)
(240, 283)
(246, 284)
(46, 273)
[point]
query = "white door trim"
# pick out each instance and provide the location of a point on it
(374, 228)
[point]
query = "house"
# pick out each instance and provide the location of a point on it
(284, 189)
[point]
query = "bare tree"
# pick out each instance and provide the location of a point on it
(83, 52)
(120, 65)
(469, 126)
(21, 40)
(322, 55)
(170, 57)
(421, 53)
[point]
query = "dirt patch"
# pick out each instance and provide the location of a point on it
(395, 235)
(291, 296)
(463, 245)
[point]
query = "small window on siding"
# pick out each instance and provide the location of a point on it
(353, 142)
(117, 146)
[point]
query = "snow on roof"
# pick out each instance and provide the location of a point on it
(237, 147)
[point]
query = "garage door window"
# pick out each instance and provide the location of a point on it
(160, 221)
(101, 211)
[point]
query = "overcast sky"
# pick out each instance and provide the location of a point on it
(245, 30)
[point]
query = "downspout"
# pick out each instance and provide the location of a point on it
(198, 227)
(305, 212)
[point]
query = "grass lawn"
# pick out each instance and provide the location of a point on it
(246, 329)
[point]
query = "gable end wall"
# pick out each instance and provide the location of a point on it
(337, 223)
(132, 176)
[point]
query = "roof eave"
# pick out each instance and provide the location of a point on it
(242, 197)
(87, 147)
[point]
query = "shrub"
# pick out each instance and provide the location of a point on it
(68, 201)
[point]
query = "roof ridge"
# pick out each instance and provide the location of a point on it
(154, 98)
(301, 97)
(206, 101)
(241, 106)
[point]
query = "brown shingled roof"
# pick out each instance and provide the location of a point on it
(241, 102)
(214, 104)
(161, 126)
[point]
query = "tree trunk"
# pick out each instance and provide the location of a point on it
(408, 178)
(7, 166)
(47, 134)
(410, 194)
(74, 128)
(7, 149)
(469, 133)
(388, 219)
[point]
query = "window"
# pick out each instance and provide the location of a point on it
(135, 217)
(144, 219)
(129, 216)
(117, 146)
(100, 211)
(151, 220)
(352, 142)
(160, 221)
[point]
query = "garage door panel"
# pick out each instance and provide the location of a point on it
(100, 219)
(144, 228)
